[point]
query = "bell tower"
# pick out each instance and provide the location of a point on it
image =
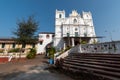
(59, 19)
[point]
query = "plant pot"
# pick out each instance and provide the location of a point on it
(51, 61)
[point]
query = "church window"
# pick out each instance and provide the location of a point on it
(76, 34)
(76, 29)
(75, 21)
(85, 34)
(60, 16)
(87, 15)
(68, 34)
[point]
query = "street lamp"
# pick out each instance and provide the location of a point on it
(110, 34)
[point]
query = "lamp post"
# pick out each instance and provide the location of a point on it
(110, 34)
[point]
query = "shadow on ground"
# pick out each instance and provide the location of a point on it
(36, 72)
(8, 76)
(75, 75)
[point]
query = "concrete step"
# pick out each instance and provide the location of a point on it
(94, 62)
(107, 68)
(96, 58)
(96, 55)
(100, 60)
(92, 70)
(94, 73)
(105, 65)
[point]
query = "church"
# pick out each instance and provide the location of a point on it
(69, 31)
(74, 29)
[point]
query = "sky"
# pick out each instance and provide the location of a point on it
(105, 13)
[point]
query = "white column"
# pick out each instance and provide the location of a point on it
(73, 43)
(80, 49)
(64, 45)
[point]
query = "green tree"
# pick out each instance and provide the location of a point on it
(25, 31)
(52, 52)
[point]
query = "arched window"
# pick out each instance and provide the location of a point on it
(60, 16)
(87, 15)
(68, 34)
(76, 29)
(76, 34)
(75, 21)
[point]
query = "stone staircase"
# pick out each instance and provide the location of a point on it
(103, 65)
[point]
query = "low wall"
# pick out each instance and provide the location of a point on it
(14, 55)
(106, 47)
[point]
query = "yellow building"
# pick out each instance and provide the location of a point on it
(9, 43)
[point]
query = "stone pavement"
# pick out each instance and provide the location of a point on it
(34, 69)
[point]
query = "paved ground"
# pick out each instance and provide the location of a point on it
(34, 69)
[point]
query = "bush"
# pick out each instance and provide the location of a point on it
(14, 50)
(31, 54)
(51, 52)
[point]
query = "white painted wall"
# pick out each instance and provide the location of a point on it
(46, 40)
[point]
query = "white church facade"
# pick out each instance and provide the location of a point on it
(69, 31)
(74, 29)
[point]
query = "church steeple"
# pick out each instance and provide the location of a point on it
(60, 14)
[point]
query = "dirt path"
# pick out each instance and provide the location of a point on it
(34, 69)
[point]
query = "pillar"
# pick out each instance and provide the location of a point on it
(73, 42)
(64, 45)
